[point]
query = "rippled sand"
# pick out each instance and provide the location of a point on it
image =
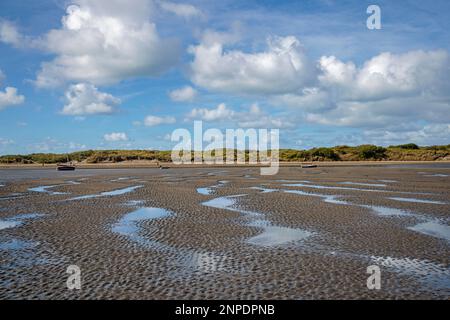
(226, 233)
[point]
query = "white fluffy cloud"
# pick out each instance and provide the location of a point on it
(220, 113)
(184, 94)
(115, 136)
(152, 121)
(105, 41)
(10, 97)
(184, 10)
(386, 91)
(10, 35)
(86, 99)
(425, 135)
(253, 118)
(282, 68)
(388, 75)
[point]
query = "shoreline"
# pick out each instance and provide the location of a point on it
(152, 165)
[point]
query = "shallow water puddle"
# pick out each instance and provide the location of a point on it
(434, 229)
(227, 203)
(414, 200)
(363, 184)
(264, 190)
(16, 244)
(123, 179)
(128, 224)
(73, 182)
(293, 181)
(210, 190)
(18, 220)
(345, 188)
(216, 173)
(44, 189)
(205, 191)
(437, 175)
(274, 236)
(188, 260)
(388, 181)
(5, 224)
(388, 212)
(427, 272)
(271, 235)
(379, 210)
(117, 192)
(326, 198)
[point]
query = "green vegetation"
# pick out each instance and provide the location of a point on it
(409, 146)
(370, 152)
(406, 152)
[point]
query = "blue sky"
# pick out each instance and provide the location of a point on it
(103, 74)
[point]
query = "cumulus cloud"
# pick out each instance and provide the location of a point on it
(253, 118)
(184, 10)
(10, 35)
(10, 97)
(115, 136)
(152, 121)
(282, 68)
(184, 94)
(256, 118)
(104, 42)
(86, 99)
(386, 91)
(388, 75)
(220, 113)
(425, 135)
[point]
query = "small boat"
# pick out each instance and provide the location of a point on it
(65, 167)
(309, 166)
(68, 166)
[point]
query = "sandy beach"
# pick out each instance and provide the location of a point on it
(226, 233)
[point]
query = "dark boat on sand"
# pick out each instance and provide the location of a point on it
(309, 165)
(68, 166)
(65, 167)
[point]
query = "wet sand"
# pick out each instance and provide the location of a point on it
(226, 233)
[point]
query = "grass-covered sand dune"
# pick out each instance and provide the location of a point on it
(407, 152)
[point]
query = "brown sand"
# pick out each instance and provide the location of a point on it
(201, 252)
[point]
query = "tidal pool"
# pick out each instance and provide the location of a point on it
(345, 188)
(44, 189)
(363, 184)
(427, 272)
(128, 224)
(17, 220)
(271, 235)
(434, 229)
(205, 191)
(117, 192)
(388, 212)
(275, 236)
(326, 198)
(264, 190)
(416, 200)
